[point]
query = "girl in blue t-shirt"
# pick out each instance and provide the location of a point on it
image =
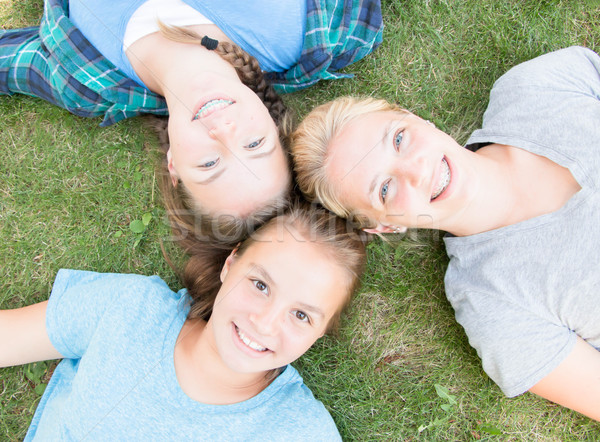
(225, 160)
(142, 362)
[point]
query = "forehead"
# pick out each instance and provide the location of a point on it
(355, 142)
(364, 132)
(299, 266)
(354, 157)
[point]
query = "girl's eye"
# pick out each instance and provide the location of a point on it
(209, 164)
(261, 286)
(255, 144)
(398, 139)
(384, 190)
(299, 314)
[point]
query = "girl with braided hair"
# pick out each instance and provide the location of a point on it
(202, 63)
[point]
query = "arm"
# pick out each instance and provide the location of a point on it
(575, 383)
(23, 336)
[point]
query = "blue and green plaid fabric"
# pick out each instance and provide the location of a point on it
(338, 33)
(57, 63)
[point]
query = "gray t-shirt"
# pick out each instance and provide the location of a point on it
(524, 292)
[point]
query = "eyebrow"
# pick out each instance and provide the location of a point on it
(263, 273)
(314, 310)
(213, 177)
(372, 188)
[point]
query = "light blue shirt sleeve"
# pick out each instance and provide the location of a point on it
(77, 303)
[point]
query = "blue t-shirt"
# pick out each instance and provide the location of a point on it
(271, 31)
(118, 382)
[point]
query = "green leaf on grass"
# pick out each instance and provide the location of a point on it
(137, 226)
(444, 393)
(490, 429)
(35, 371)
(146, 218)
(40, 388)
(118, 234)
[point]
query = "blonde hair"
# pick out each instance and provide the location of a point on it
(310, 143)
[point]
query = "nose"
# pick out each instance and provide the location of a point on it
(411, 170)
(267, 320)
(222, 130)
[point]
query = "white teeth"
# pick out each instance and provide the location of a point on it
(444, 180)
(253, 345)
(212, 106)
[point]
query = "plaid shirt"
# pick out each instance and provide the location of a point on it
(57, 63)
(338, 33)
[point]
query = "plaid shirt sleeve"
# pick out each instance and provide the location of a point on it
(57, 63)
(338, 33)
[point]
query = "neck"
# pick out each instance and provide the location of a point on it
(166, 66)
(494, 201)
(512, 185)
(203, 375)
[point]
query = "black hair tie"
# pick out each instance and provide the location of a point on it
(209, 43)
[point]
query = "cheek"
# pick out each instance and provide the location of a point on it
(186, 138)
(301, 340)
(236, 301)
(226, 301)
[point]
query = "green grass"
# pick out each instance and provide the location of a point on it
(68, 187)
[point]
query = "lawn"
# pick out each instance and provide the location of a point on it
(401, 367)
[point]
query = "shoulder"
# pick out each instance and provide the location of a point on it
(303, 413)
(69, 279)
(570, 66)
(548, 106)
(129, 290)
(337, 35)
(83, 304)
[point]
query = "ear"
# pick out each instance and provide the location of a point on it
(230, 259)
(172, 171)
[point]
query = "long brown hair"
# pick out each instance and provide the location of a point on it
(339, 239)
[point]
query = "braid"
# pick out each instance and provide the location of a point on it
(251, 75)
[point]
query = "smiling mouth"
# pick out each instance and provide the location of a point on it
(249, 343)
(444, 181)
(212, 106)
